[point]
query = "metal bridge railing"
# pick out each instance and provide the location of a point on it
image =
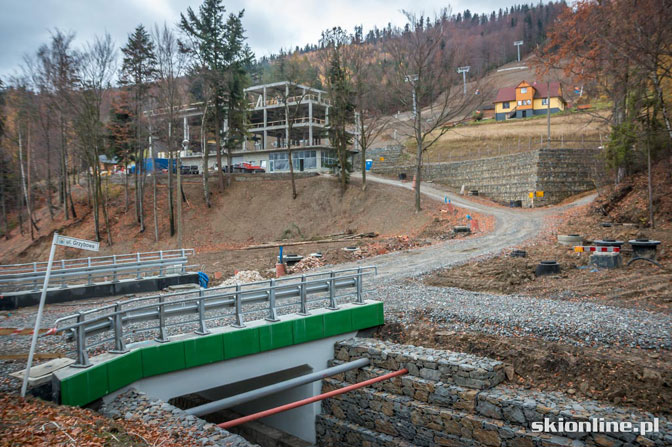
(110, 324)
(65, 272)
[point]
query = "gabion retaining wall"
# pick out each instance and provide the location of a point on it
(439, 408)
(559, 173)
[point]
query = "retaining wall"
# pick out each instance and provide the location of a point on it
(559, 173)
(438, 404)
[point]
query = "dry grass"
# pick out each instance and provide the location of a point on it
(491, 138)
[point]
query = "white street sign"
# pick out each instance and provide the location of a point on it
(73, 242)
(65, 241)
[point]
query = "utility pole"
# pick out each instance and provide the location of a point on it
(464, 70)
(518, 43)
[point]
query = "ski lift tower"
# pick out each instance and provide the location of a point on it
(464, 70)
(518, 43)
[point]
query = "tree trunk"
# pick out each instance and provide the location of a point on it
(89, 188)
(218, 144)
(50, 204)
(418, 167)
(96, 202)
(126, 187)
(103, 201)
(136, 179)
(648, 156)
(67, 190)
(19, 203)
(179, 200)
(206, 192)
(5, 220)
(31, 223)
(29, 197)
(362, 146)
(171, 213)
(63, 181)
(141, 188)
(663, 106)
(288, 133)
(229, 155)
(156, 215)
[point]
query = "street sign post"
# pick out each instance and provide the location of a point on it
(73, 242)
(66, 242)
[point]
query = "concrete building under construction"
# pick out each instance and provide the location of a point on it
(271, 128)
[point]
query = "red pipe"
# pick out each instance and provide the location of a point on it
(310, 400)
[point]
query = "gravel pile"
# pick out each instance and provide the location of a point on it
(579, 323)
(135, 405)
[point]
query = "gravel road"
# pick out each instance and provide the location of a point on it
(578, 323)
(512, 227)
(456, 309)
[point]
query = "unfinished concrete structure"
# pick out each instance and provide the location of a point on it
(280, 114)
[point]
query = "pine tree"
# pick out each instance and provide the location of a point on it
(138, 70)
(217, 46)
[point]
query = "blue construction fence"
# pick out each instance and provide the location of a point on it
(152, 164)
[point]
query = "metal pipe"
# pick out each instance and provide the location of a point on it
(249, 396)
(310, 400)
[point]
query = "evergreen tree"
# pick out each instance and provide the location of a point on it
(218, 49)
(137, 71)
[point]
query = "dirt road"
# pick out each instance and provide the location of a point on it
(513, 226)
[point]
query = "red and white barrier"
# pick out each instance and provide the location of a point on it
(596, 249)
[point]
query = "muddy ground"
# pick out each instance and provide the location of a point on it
(640, 285)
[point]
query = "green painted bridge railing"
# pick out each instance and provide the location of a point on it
(111, 372)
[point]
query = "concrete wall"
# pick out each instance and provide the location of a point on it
(559, 173)
(439, 404)
(315, 354)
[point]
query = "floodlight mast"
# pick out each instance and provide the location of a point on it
(464, 70)
(518, 43)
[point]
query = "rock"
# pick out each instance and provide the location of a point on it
(487, 437)
(243, 277)
(651, 374)
(508, 370)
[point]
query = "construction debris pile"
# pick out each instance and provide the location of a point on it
(392, 244)
(243, 277)
(306, 264)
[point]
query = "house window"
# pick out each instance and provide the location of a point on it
(544, 102)
(520, 103)
(329, 159)
(309, 159)
(278, 162)
(506, 105)
(523, 90)
(529, 101)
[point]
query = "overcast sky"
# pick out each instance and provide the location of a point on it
(270, 24)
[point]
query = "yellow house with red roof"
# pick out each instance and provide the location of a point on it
(525, 100)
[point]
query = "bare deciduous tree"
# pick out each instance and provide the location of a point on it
(424, 79)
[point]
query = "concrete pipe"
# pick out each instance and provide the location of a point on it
(547, 268)
(570, 240)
